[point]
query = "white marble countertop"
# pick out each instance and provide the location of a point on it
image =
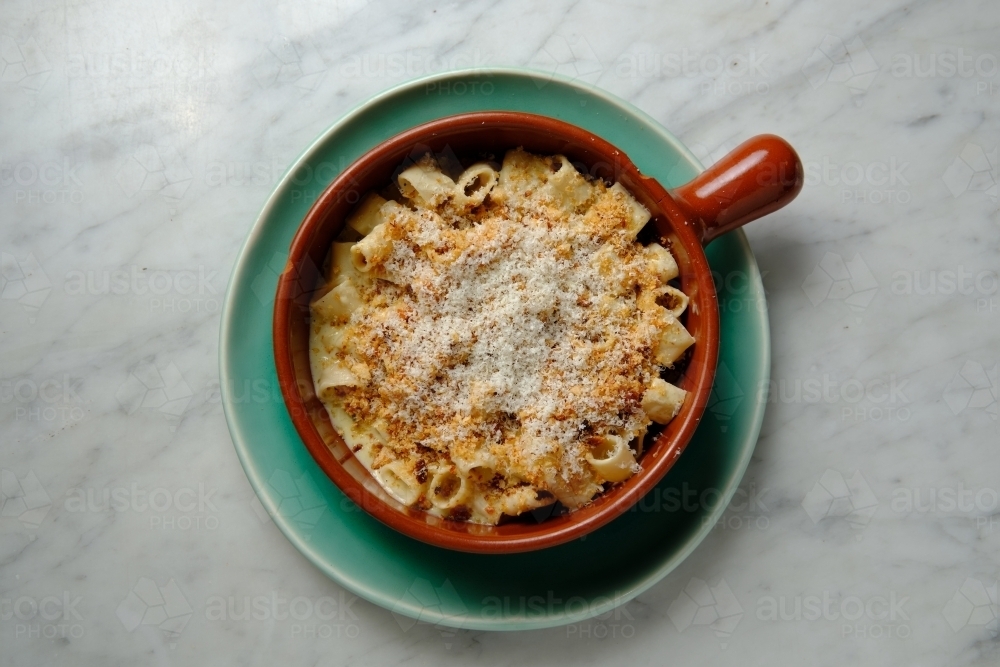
(139, 141)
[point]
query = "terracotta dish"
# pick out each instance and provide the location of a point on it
(758, 177)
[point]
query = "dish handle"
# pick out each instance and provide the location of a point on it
(757, 177)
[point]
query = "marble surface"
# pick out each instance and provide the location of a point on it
(138, 143)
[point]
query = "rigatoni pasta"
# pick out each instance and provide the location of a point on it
(494, 342)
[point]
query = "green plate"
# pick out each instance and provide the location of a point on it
(540, 589)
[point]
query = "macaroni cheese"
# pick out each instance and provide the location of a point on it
(491, 343)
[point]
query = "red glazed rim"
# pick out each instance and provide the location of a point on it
(475, 134)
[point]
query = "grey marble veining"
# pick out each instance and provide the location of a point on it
(138, 143)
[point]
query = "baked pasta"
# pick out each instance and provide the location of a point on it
(490, 342)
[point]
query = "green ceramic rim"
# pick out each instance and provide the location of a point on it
(336, 536)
